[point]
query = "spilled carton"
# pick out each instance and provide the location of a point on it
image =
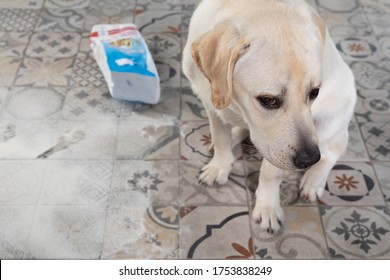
(126, 63)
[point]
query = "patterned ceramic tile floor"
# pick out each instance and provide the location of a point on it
(84, 176)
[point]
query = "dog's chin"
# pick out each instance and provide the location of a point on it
(280, 163)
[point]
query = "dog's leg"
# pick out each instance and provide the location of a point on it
(314, 180)
(239, 134)
(218, 169)
(267, 211)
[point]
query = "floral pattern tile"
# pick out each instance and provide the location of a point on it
(45, 72)
(164, 45)
(352, 184)
(301, 237)
(357, 232)
(208, 232)
(22, 4)
(193, 193)
(358, 48)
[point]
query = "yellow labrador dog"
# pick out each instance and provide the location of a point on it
(270, 67)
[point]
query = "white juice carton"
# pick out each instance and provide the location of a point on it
(126, 63)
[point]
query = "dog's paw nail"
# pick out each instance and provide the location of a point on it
(270, 230)
(258, 221)
(279, 222)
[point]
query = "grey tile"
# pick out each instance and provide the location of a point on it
(62, 20)
(18, 20)
(52, 44)
(375, 6)
(373, 106)
(357, 232)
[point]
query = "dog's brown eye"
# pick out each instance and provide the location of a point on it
(314, 93)
(269, 102)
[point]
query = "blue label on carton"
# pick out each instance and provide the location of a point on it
(128, 56)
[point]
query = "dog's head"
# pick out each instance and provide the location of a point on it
(268, 70)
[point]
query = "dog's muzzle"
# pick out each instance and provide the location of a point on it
(307, 157)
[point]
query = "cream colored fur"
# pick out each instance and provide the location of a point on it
(240, 52)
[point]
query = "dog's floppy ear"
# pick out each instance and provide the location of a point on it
(216, 53)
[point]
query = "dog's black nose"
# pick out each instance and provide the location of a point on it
(307, 157)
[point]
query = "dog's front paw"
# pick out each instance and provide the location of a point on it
(312, 186)
(269, 217)
(215, 173)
